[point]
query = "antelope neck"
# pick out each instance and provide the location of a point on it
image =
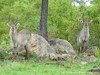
(13, 35)
(86, 29)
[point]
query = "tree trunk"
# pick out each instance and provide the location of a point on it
(43, 20)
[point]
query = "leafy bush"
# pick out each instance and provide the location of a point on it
(97, 53)
(3, 53)
(63, 19)
(5, 41)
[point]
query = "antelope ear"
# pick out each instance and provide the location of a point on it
(8, 24)
(90, 21)
(81, 21)
(18, 24)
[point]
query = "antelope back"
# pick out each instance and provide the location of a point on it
(24, 36)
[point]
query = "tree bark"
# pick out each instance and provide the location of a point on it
(43, 19)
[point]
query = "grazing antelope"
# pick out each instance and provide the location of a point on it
(19, 39)
(83, 37)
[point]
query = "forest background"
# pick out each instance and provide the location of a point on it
(63, 19)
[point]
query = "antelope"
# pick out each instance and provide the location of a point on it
(19, 39)
(83, 37)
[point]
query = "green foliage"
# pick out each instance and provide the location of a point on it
(4, 42)
(97, 53)
(63, 19)
(3, 53)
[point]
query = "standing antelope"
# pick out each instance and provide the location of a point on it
(19, 39)
(83, 36)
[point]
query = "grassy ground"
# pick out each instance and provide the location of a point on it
(45, 67)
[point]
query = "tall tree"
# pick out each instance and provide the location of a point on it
(43, 19)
